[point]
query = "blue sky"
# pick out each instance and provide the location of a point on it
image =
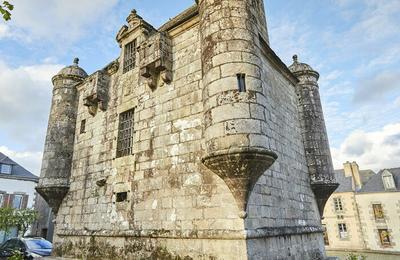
(354, 44)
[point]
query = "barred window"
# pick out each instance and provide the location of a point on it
(384, 237)
(338, 204)
(130, 56)
(378, 211)
(125, 133)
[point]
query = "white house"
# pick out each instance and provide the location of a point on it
(17, 187)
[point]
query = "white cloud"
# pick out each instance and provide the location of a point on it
(29, 160)
(397, 102)
(374, 89)
(371, 150)
(289, 37)
(63, 21)
(4, 30)
(24, 108)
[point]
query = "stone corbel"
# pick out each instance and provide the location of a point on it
(96, 97)
(112, 68)
(240, 168)
(93, 103)
(155, 55)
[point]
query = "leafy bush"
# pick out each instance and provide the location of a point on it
(20, 218)
(352, 256)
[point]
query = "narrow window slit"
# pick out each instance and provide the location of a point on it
(241, 82)
(83, 126)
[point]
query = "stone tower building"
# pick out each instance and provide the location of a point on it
(196, 143)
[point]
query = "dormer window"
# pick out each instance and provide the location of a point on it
(130, 56)
(5, 168)
(388, 181)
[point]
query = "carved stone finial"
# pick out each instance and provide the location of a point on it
(132, 16)
(76, 61)
(295, 58)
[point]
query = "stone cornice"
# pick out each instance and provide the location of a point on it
(180, 19)
(277, 62)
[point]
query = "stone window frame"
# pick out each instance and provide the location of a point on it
(82, 128)
(126, 134)
(129, 60)
(371, 213)
(241, 78)
(347, 237)
(374, 212)
(340, 203)
(389, 236)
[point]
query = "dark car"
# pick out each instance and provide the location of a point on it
(30, 247)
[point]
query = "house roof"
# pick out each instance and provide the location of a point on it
(345, 183)
(375, 184)
(18, 172)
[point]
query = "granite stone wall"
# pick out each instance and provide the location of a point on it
(176, 207)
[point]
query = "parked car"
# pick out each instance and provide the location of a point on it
(31, 248)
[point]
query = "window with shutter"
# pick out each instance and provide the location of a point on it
(17, 201)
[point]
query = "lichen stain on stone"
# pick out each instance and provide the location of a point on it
(132, 249)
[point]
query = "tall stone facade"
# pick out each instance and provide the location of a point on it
(190, 145)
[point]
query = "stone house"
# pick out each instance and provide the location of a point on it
(197, 142)
(17, 188)
(362, 215)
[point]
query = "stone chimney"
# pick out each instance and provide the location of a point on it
(352, 170)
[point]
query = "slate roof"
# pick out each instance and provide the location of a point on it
(345, 183)
(375, 184)
(18, 172)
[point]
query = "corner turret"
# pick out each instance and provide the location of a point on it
(237, 147)
(57, 157)
(314, 133)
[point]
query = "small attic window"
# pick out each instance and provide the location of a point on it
(5, 168)
(130, 56)
(388, 181)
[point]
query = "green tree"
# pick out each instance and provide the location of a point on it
(24, 218)
(6, 219)
(5, 10)
(352, 256)
(19, 218)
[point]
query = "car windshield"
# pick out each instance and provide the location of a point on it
(38, 244)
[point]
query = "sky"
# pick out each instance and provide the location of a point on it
(353, 44)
